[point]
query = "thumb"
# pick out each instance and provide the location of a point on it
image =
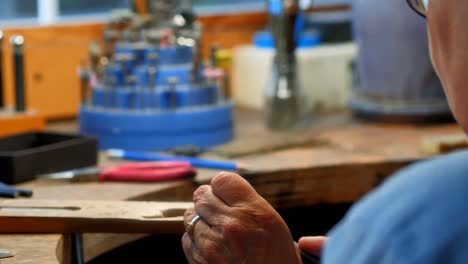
(313, 245)
(233, 189)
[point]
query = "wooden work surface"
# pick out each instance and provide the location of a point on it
(338, 159)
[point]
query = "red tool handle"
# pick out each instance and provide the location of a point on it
(149, 172)
(154, 165)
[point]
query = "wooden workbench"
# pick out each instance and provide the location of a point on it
(338, 159)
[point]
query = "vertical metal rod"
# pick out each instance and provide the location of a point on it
(18, 52)
(77, 253)
(138, 93)
(172, 82)
(283, 97)
(2, 96)
(153, 90)
(225, 88)
(84, 83)
(214, 55)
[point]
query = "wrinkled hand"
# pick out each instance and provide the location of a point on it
(237, 226)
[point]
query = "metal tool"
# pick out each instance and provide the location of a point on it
(196, 162)
(77, 248)
(283, 91)
(166, 44)
(153, 88)
(127, 61)
(187, 151)
(214, 55)
(284, 108)
(162, 9)
(18, 48)
(184, 16)
(5, 253)
(2, 99)
(111, 36)
(154, 36)
(188, 32)
(173, 82)
(217, 77)
(95, 53)
(7, 191)
(84, 75)
(132, 172)
(131, 81)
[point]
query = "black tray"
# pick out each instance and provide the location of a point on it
(24, 156)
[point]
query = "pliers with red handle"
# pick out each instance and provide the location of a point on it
(131, 172)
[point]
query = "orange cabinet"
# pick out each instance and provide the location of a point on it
(52, 58)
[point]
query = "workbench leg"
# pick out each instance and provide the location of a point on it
(77, 255)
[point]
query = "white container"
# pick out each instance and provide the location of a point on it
(324, 73)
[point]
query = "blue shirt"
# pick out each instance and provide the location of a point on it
(419, 216)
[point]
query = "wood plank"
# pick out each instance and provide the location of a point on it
(30, 249)
(354, 159)
(66, 216)
(305, 187)
(346, 159)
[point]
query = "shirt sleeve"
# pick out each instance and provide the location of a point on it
(418, 216)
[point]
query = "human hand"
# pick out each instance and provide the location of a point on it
(313, 245)
(236, 226)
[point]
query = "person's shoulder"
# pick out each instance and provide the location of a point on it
(439, 179)
(445, 175)
(406, 210)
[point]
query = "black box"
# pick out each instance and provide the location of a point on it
(25, 156)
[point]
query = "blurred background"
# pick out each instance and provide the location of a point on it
(293, 61)
(58, 34)
(323, 98)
